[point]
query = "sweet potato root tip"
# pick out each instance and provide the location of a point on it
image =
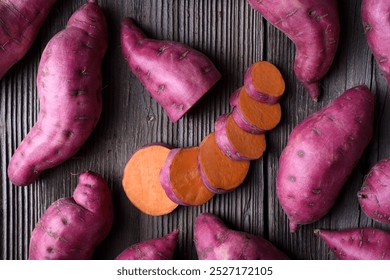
(236, 143)
(255, 117)
(219, 173)
(181, 179)
(264, 82)
(141, 181)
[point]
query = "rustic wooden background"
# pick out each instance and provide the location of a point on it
(233, 35)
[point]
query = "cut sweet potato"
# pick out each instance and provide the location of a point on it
(219, 173)
(253, 116)
(141, 181)
(181, 180)
(264, 82)
(236, 143)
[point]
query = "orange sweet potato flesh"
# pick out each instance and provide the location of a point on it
(247, 144)
(141, 181)
(261, 115)
(219, 173)
(185, 179)
(264, 82)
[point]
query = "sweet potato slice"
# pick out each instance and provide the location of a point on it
(253, 116)
(219, 173)
(181, 179)
(264, 82)
(141, 181)
(236, 143)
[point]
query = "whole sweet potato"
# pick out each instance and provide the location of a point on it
(313, 26)
(174, 74)
(375, 17)
(357, 243)
(154, 249)
(71, 228)
(320, 155)
(20, 21)
(374, 196)
(214, 241)
(69, 87)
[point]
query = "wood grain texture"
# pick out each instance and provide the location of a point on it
(233, 35)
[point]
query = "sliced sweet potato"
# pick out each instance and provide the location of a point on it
(264, 82)
(141, 181)
(236, 143)
(219, 173)
(181, 179)
(253, 116)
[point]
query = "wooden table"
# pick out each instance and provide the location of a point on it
(233, 35)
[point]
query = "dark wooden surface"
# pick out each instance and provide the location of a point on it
(233, 36)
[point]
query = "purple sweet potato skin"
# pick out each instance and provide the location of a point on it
(376, 24)
(313, 26)
(71, 228)
(357, 243)
(214, 241)
(154, 249)
(69, 88)
(175, 75)
(374, 196)
(321, 153)
(21, 21)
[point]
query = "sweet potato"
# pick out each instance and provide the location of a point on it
(321, 153)
(374, 196)
(181, 179)
(214, 241)
(219, 173)
(20, 23)
(253, 116)
(236, 143)
(375, 17)
(154, 249)
(314, 28)
(69, 87)
(174, 74)
(71, 228)
(357, 243)
(141, 180)
(264, 82)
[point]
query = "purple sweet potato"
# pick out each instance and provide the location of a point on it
(357, 243)
(71, 228)
(375, 17)
(313, 26)
(20, 22)
(374, 196)
(214, 241)
(69, 87)
(174, 74)
(154, 249)
(321, 153)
